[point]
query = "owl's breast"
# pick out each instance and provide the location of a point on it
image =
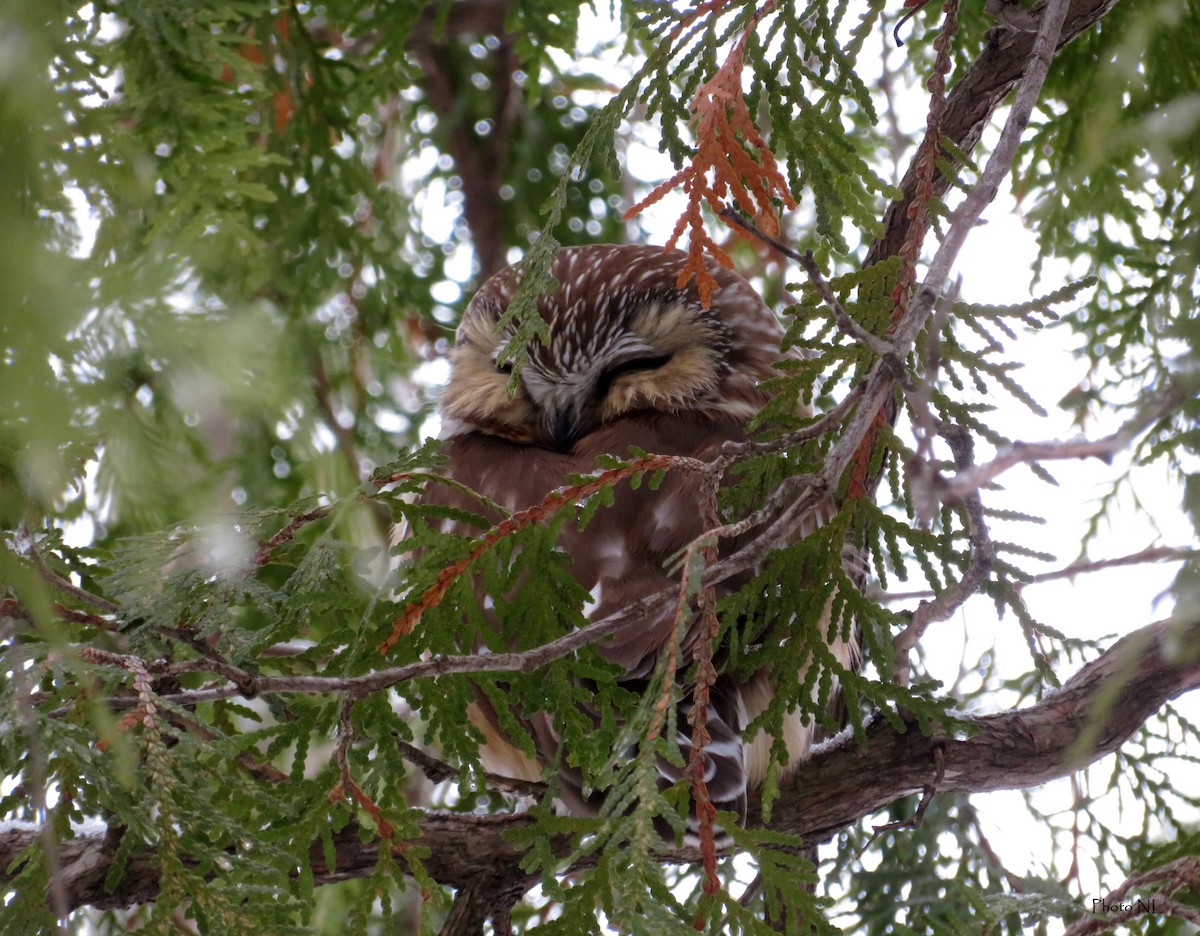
(622, 554)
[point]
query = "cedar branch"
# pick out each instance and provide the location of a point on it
(554, 502)
(1093, 714)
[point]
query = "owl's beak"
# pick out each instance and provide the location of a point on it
(565, 429)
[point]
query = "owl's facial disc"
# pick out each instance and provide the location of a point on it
(657, 357)
(623, 342)
(571, 403)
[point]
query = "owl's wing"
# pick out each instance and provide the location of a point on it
(620, 558)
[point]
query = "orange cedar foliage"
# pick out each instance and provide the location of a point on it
(730, 148)
(554, 502)
(917, 213)
(283, 103)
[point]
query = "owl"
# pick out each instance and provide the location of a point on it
(632, 360)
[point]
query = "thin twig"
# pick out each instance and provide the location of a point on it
(293, 526)
(1079, 567)
(907, 15)
(979, 567)
(919, 399)
(345, 738)
(927, 795)
(752, 890)
(27, 548)
(12, 608)
(438, 771)
(780, 531)
(780, 498)
(346, 786)
(1149, 554)
(739, 451)
(850, 327)
(951, 490)
(732, 214)
(210, 661)
(262, 770)
(864, 337)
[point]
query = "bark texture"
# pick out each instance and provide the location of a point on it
(1096, 711)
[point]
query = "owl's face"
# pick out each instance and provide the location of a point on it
(624, 339)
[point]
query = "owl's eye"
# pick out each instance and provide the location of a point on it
(604, 384)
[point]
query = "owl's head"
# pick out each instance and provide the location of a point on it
(624, 339)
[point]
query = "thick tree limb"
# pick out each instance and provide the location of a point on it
(1075, 726)
(971, 103)
(1086, 719)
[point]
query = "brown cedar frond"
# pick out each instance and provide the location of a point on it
(553, 503)
(706, 677)
(861, 480)
(731, 160)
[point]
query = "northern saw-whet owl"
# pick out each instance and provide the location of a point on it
(633, 360)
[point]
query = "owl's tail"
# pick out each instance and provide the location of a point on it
(723, 756)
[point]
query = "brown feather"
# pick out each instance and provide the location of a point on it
(633, 361)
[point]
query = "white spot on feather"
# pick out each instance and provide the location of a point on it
(596, 596)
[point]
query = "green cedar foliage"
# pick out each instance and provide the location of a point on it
(233, 231)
